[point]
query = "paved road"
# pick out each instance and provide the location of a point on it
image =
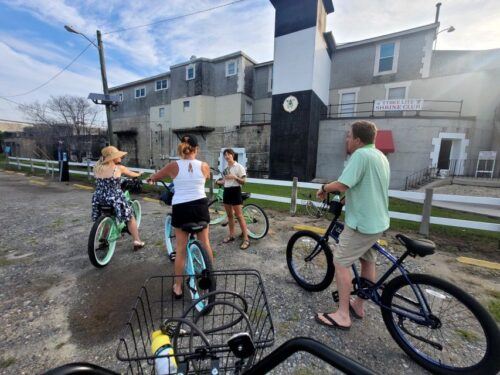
(56, 308)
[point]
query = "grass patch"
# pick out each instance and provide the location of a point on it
(304, 371)
(5, 262)
(57, 223)
(494, 293)
(494, 308)
(6, 362)
(467, 335)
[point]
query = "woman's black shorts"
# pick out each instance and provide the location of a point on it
(232, 196)
(190, 212)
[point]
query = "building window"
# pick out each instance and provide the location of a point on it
(140, 92)
(347, 104)
(120, 96)
(386, 58)
(231, 68)
(161, 112)
(185, 105)
(162, 84)
(270, 80)
(190, 72)
(396, 91)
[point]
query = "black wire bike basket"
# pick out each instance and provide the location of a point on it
(199, 340)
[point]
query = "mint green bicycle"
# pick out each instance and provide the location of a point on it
(255, 217)
(107, 230)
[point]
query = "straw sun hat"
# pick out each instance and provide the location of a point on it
(110, 153)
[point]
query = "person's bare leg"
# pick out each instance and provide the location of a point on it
(204, 238)
(180, 259)
(369, 272)
(343, 278)
(132, 228)
(238, 210)
(230, 219)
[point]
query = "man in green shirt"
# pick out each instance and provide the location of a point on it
(365, 181)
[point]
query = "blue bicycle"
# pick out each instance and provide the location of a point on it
(198, 268)
(437, 324)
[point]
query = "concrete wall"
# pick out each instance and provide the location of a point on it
(413, 140)
(354, 66)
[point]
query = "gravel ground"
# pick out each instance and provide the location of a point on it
(56, 308)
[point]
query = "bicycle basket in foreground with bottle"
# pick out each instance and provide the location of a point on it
(172, 336)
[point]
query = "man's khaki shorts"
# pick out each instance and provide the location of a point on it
(354, 245)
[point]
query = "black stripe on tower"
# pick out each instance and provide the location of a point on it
(294, 136)
(296, 15)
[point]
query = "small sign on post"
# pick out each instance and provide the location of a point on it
(486, 163)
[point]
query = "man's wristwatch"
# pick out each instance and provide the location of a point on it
(323, 188)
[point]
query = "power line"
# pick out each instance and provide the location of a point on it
(51, 78)
(174, 18)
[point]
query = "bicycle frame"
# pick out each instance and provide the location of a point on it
(117, 229)
(373, 292)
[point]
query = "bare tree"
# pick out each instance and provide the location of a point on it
(71, 119)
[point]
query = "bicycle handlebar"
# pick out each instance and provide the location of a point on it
(277, 356)
(319, 350)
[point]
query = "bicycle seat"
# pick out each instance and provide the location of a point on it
(107, 210)
(194, 227)
(418, 247)
(245, 195)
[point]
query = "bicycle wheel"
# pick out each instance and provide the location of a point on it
(137, 211)
(102, 241)
(169, 237)
(256, 220)
(217, 212)
(312, 210)
(201, 281)
(461, 338)
(310, 262)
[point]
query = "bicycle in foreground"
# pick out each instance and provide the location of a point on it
(440, 326)
(107, 229)
(233, 334)
(198, 263)
(255, 217)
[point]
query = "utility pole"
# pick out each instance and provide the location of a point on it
(100, 47)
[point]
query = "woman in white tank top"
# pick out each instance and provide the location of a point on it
(189, 203)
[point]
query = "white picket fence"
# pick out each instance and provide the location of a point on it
(273, 198)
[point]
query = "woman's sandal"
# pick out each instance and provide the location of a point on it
(172, 256)
(177, 296)
(138, 245)
(245, 245)
(228, 239)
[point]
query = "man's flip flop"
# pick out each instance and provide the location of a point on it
(333, 324)
(354, 314)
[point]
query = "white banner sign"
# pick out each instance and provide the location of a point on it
(399, 105)
(487, 155)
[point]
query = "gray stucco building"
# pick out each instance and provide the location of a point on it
(233, 101)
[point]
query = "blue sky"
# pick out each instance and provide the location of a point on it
(34, 45)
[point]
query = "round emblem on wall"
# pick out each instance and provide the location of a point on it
(290, 104)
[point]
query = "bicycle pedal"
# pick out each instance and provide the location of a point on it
(204, 281)
(335, 296)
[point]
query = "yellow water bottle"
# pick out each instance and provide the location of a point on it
(160, 346)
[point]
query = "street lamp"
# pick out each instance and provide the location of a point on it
(100, 48)
(449, 29)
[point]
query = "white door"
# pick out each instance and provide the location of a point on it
(241, 157)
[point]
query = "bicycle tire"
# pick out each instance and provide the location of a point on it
(325, 262)
(137, 212)
(169, 232)
(489, 364)
(312, 210)
(109, 246)
(199, 266)
(253, 233)
(217, 212)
